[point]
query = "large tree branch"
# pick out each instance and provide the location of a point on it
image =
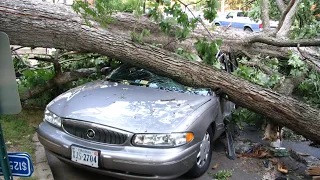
(311, 60)
(284, 14)
(281, 5)
(265, 15)
(56, 65)
(281, 42)
(287, 19)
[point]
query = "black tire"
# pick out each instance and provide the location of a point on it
(197, 171)
(247, 29)
(217, 24)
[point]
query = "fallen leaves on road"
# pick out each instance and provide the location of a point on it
(274, 161)
(215, 166)
(256, 153)
(313, 171)
(282, 168)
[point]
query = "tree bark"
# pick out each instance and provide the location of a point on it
(39, 25)
(281, 5)
(265, 15)
(287, 19)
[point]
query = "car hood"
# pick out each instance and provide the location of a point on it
(131, 108)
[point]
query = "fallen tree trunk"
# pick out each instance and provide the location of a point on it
(39, 25)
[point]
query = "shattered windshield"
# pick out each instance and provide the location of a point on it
(137, 76)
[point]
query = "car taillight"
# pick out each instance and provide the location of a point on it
(260, 26)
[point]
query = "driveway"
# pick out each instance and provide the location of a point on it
(242, 168)
(62, 171)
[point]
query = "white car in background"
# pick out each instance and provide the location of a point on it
(240, 20)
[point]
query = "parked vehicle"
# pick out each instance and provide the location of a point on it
(240, 20)
(135, 125)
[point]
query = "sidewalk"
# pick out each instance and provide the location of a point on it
(42, 169)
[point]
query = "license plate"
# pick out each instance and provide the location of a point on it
(85, 156)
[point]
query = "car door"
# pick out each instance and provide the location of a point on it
(227, 20)
(238, 20)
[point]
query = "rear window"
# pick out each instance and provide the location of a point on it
(242, 14)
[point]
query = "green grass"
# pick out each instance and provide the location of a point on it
(222, 175)
(19, 129)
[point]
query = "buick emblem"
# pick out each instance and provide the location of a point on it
(91, 133)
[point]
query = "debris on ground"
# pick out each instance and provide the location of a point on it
(291, 135)
(256, 154)
(274, 161)
(276, 143)
(256, 151)
(303, 154)
(283, 162)
(309, 161)
(222, 174)
(279, 152)
(215, 166)
(282, 168)
(312, 161)
(243, 146)
(316, 178)
(277, 162)
(266, 163)
(313, 171)
(269, 175)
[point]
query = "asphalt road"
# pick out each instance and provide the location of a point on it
(242, 168)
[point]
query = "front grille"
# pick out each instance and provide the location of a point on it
(102, 134)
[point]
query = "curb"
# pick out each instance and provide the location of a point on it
(42, 170)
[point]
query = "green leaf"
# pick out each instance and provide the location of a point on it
(219, 42)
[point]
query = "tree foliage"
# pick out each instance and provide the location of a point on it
(306, 21)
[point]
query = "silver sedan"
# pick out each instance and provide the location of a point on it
(135, 125)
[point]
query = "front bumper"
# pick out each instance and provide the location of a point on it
(123, 161)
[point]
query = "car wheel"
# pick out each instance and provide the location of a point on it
(217, 24)
(204, 155)
(247, 29)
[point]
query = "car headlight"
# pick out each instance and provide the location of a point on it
(162, 140)
(52, 118)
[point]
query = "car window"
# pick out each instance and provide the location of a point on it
(141, 77)
(231, 14)
(240, 14)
